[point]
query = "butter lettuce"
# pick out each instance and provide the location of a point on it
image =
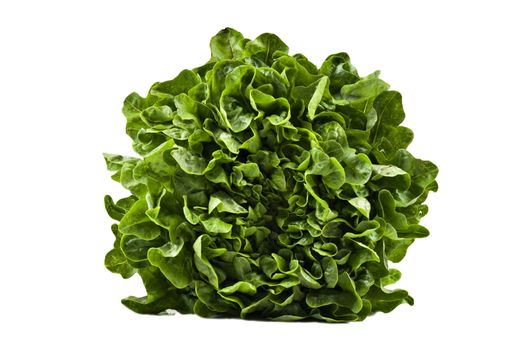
(267, 188)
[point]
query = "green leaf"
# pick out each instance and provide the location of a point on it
(333, 174)
(386, 301)
(227, 44)
(362, 204)
(159, 298)
(133, 107)
(330, 271)
(224, 203)
(340, 71)
(347, 285)
(157, 168)
(387, 170)
(201, 261)
(239, 287)
(264, 47)
(332, 297)
(135, 249)
(181, 84)
(188, 161)
(361, 94)
(174, 261)
(276, 110)
(114, 211)
(361, 255)
(137, 223)
(358, 169)
(216, 225)
(317, 96)
(116, 262)
(386, 132)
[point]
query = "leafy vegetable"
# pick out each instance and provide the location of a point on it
(267, 188)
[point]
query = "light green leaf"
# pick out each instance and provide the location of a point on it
(216, 225)
(387, 170)
(317, 96)
(362, 204)
(227, 44)
(224, 203)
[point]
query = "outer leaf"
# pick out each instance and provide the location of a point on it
(116, 262)
(181, 84)
(174, 261)
(339, 70)
(227, 44)
(264, 47)
(362, 94)
(135, 222)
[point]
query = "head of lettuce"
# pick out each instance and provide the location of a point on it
(267, 188)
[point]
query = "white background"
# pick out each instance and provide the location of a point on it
(65, 68)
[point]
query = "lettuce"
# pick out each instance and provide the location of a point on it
(267, 188)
